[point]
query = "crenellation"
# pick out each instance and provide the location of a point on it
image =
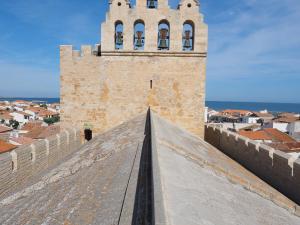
(281, 164)
(269, 164)
(86, 50)
(76, 54)
(21, 164)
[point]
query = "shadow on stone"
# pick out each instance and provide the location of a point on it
(143, 206)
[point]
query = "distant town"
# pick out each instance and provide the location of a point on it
(23, 122)
(278, 130)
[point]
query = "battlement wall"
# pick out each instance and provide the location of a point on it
(17, 166)
(277, 168)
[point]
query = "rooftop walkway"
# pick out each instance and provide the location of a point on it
(147, 171)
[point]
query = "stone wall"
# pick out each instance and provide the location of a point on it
(19, 165)
(277, 168)
(104, 91)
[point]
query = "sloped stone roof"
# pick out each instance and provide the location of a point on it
(145, 170)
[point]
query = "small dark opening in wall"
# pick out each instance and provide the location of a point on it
(31, 156)
(12, 166)
(189, 5)
(88, 134)
(119, 3)
(151, 84)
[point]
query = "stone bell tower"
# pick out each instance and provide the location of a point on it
(150, 55)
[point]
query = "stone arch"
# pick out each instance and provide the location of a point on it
(139, 35)
(164, 33)
(152, 4)
(188, 38)
(118, 37)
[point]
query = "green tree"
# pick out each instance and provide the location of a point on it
(44, 106)
(14, 124)
(52, 120)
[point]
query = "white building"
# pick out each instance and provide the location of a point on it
(21, 117)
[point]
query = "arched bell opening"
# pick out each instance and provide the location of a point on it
(163, 35)
(188, 36)
(119, 35)
(152, 4)
(139, 35)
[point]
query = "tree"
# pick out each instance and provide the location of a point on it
(14, 124)
(52, 120)
(44, 106)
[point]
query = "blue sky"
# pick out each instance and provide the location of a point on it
(254, 46)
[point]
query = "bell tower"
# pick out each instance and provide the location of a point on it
(152, 4)
(150, 55)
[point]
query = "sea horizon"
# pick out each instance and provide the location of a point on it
(274, 107)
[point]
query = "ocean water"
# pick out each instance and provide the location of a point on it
(48, 100)
(217, 105)
(255, 106)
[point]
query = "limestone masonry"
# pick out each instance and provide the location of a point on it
(150, 55)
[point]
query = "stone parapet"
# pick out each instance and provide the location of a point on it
(277, 168)
(19, 165)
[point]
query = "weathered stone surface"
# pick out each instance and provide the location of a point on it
(87, 188)
(197, 188)
(189, 181)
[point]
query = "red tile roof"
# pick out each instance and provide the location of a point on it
(49, 131)
(236, 111)
(47, 113)
(278, 135)
(23, 140)
(270, 134)
(6, 147)
(255, 135)
(34, 133)
(286, 119)
(35, 109)
(4, 129)
(32, 125)
(5, 115)
(286, 147)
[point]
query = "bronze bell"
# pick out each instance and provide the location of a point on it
(151, 4)
(187, 43)
(163, 33)
(119, 38)
(139, 41)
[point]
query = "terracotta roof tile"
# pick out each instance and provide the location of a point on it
(236, 111)
(47, 113)
(34, 133)
(268, 134)
(286, 119)
(255, 135)
(6, 147)
(31, 126)
(4, 129)
(49, 131)
(278, 135)
(23, 140)
(5, 115)
(286, 147)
